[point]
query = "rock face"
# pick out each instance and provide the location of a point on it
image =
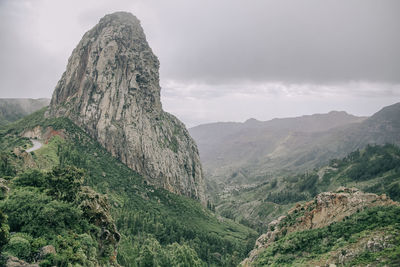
(111, 89)
(326, 208)
(15, 262)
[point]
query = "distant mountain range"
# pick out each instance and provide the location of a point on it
(242, 153)
(12, 109)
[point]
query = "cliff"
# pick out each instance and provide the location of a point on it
(111, 89)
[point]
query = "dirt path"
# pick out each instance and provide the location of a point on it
(36, 145)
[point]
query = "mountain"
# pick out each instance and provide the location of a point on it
(246, 153)
(103, 176)
(69, 194)
(12, 109)
(375, 169)
(111, 89)
(346, 227)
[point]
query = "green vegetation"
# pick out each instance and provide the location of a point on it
(4, 230)
(156, 226)
(51, 202)
(40, 214)
(14, 109)
(299, 248)
(376, 169)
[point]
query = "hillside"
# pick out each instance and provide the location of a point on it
(347, 227)
(155, 225)
(251, 148)
(244, 154)
(376, 169)
(12, 109)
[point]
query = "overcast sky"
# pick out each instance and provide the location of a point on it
(224, 60)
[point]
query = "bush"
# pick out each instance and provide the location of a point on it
(182, 255)
(65, 183)
(33, 178)
(19, 246)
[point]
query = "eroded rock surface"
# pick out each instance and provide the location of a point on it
(111, 89)
(326, 208)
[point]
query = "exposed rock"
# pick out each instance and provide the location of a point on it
(96, 208)
(4, 189)
(43, 134)
(15, 262)
(326, 208)
(46, 250)
(111, 89)
(25, 157)
(377, 242)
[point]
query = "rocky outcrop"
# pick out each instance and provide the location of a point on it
(111, 89)
(97, 210)
(15, 262)
(47, 250)
(326, 208)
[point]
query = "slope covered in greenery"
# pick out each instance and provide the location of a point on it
(375, 169)
(369, 237)
(53, 209)
(156, 227)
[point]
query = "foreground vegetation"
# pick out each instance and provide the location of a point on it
(370, 237)
(53, 208)
(156, 227)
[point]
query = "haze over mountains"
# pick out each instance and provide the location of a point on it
(12, 109)
(240, 152)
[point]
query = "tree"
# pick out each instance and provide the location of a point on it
(183, 256)
(33, 178)
(6, 168)
(4, 230)
(65, 183)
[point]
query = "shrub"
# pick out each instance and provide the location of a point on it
(19, 246)
(33, 178)
(34, 212)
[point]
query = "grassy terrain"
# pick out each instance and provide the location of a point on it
(153, 223)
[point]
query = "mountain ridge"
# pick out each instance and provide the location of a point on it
(254, 151)
(12, 109)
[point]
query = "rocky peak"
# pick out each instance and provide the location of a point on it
(111, 89)
(113, 57)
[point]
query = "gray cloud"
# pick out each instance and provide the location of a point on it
(222, 50)
(296, 41)
(204, 103)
